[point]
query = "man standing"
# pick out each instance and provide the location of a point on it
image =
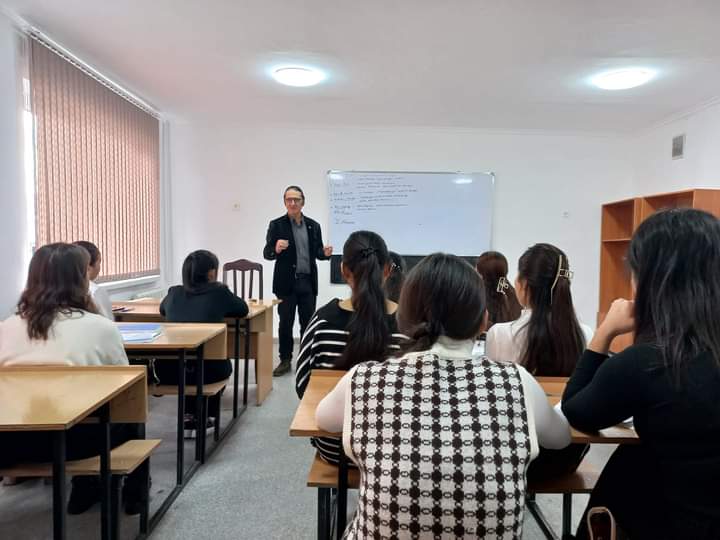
(294, 241)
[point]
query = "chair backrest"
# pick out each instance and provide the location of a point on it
(243, 266)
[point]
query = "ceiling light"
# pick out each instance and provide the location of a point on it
(463, 180)
(622, 79)
(298, 76)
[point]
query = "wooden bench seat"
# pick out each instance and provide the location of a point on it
(210, 389)
(324, 475)
(124, 459)
(583, 480)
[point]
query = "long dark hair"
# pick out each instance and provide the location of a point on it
(365, 256)
(675, 258)
(56, 283)
(502, 302)
(443, 295)
(195, 269)
(554, 339)
(394, 282)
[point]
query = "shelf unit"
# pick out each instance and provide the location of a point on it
(619, 221)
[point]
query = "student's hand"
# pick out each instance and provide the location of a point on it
(327, 250)
(620, 318)
(281, 245)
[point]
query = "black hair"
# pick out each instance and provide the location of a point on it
(296, 188)
(502, 302)
(195, 269)
(443, 295)
(56, 283)
(394, 282)
(91, 248)
(554, 339)
(365, 256)
(674, 256)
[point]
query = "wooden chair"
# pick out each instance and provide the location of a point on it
(124, 459)
(243, 266)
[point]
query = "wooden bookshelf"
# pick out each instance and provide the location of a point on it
(619, 221)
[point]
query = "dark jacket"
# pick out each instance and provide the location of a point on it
(285, 261)
(209, 304)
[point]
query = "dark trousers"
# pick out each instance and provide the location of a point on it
(213, 371)
(303, 298)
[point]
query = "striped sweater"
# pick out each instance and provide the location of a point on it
(321, 347)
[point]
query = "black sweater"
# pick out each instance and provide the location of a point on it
(209, 304)
(678, 425)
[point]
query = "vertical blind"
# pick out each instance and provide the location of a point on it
(97, 167)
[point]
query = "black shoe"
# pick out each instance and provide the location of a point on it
(282, 368)
(85, 494)
(190, 426)
(132, 496)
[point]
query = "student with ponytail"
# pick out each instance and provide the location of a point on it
(201, 299)
(502, 302)
(344, 333)
(547, 338)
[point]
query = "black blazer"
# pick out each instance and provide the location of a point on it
(286, 261)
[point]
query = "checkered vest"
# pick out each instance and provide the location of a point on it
(442, 446)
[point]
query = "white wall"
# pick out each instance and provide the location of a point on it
(654, 169)
(13, 239)
(540, 176)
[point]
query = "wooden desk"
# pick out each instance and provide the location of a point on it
(259, 323)
(55, 398)
(323, 381)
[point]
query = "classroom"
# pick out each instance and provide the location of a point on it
(408, 269)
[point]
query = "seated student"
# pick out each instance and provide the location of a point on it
(668, 381)
(56, 323)
(442, 437)
(394, 282)
(547, 339)
(344, 333)
(99, 296)
(200, 299)
(502, 302)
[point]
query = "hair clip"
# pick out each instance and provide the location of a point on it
(502, 285)
(561, 272)
(367, 252)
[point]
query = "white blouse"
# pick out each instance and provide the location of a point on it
(548, 426)
(102, 300)
(505, 342)
(79, 338)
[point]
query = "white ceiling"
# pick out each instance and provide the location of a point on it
(505, 64)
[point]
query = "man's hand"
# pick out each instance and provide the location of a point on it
(327, 250)
(281, 245)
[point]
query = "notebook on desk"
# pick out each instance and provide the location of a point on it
(139, 332)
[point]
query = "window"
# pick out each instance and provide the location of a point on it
(97, 166)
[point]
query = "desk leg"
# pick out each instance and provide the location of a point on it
(324, 512)
(59, 485)
(181, 419)
(200, 418)
(247, 362)
(236, 378)
(105, 480)
(342, 493)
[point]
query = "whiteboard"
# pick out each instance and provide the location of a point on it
(417, 213)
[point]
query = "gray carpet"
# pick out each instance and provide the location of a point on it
(252, 487)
